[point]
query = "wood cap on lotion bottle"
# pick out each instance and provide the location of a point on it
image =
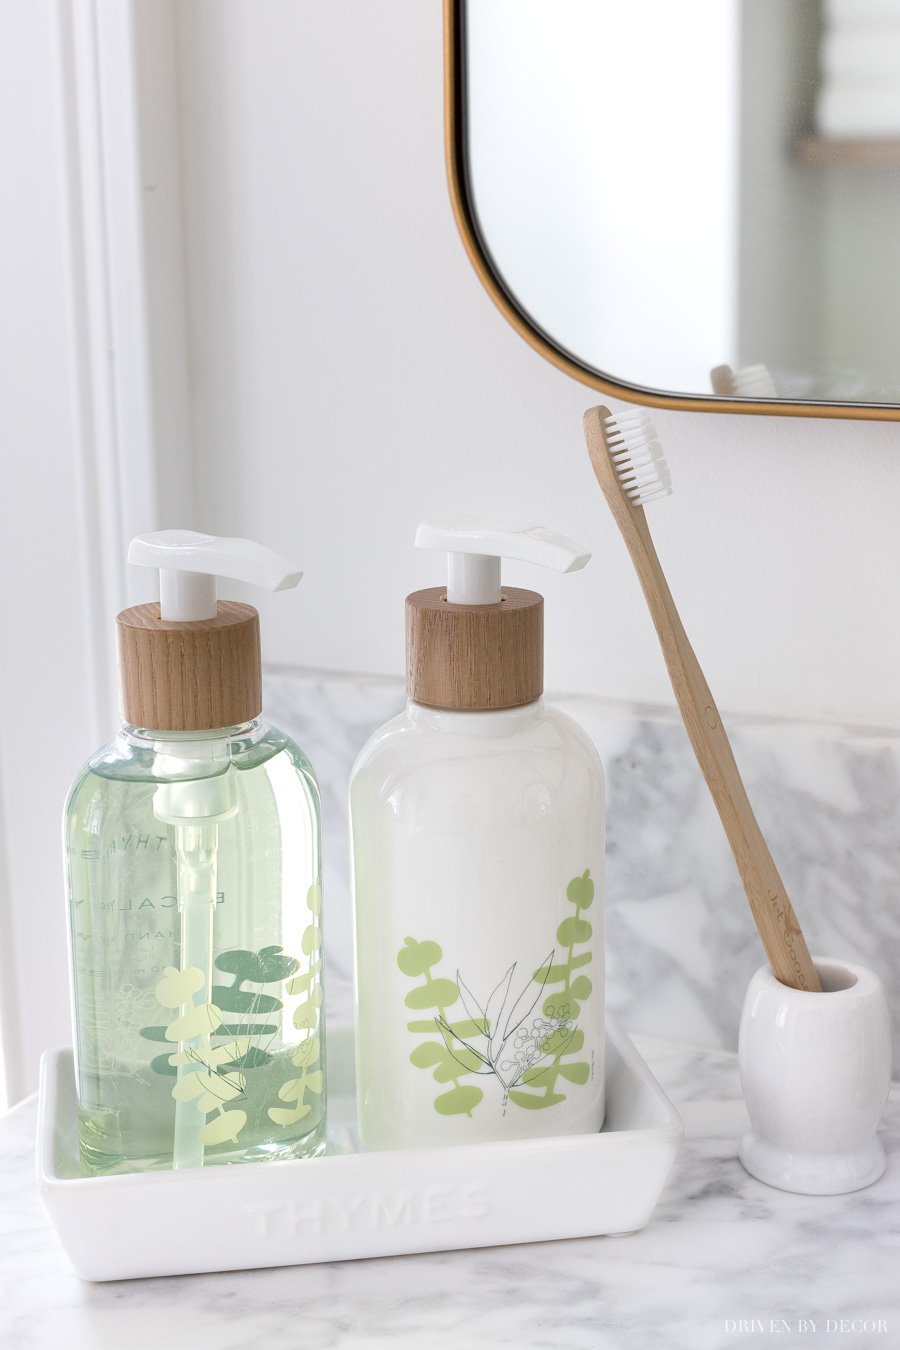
(192, 662)
(472, 644)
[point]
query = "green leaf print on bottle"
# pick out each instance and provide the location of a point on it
(555, 1034)
(307, 1016)
(266, 966)
(207, 1086)
(449, 1059)
(235, 1048)
(527, 1055)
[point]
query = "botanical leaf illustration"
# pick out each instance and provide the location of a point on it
(493, 1010)
(160, 1064)
(294, 1091)
(466, 1027)
(524, 1005)
(207, 1086)
(217, 1056)
(416, 958)
(434, 994)
(232, 999)
(459, 1100)
(301, 983)
(211, 1089)
(448, 1059)
(572, 931)
(306, 1014)
(154, 1033)
(311, 940)
(251, 1058)
(500, 1047)
(239, 1028)
(528, 1052)
(469, 1002)
(580, 891)
(560, 1039)
(306, 1018)
(179, 986)
(200, 1021)
(263, 967)
(222, 1053)
(226, 1126)
(472, 1060)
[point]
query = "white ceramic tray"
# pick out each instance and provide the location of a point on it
(350, 1203)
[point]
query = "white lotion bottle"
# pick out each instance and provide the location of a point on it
(477, 852)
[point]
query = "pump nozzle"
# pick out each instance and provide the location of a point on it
(189, 563)
(475, 547)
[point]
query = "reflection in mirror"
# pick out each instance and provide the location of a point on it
(698, 194)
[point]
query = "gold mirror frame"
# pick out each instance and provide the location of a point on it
(456, 147)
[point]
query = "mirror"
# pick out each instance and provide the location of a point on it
(692, 203)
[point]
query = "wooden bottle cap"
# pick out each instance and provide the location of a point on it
(474, 656)
(189, 676)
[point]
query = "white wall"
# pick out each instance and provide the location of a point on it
(48, 682)
(93, 404)
(351, 377)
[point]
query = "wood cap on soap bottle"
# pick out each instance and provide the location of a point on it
(474, 656)
(474, 643)
(192, 662)
(199, 676)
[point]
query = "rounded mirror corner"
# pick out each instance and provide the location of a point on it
(456, 134)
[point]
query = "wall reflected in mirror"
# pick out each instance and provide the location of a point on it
(673, 187)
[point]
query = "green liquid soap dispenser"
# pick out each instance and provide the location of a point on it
(477, 831)
(193, 852)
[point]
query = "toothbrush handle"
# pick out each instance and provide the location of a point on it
(781, 935)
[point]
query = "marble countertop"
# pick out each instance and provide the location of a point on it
(724, 1260)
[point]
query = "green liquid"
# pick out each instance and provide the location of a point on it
(265, 1052)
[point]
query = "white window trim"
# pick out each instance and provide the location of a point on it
(119, 186)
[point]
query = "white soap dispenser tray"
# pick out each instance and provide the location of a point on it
(349, 1203)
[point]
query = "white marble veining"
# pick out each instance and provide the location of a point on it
(721, 1248)
(681, 943)
(331, 717)
(724, 1259)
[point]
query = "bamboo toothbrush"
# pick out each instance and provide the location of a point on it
(631, 469)
(749, 382)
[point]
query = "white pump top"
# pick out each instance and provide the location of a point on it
(189, 563)
(475, 547)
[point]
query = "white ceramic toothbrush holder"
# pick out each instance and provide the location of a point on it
(815, 1072)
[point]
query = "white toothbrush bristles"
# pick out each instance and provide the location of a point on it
(637, 457)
